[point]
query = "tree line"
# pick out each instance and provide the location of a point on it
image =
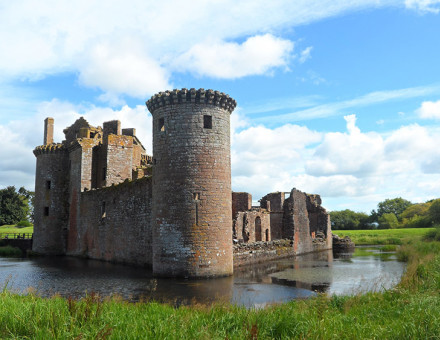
(390, 214)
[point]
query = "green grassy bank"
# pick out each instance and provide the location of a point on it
(384, 236)
(409, 311)
(6, 229)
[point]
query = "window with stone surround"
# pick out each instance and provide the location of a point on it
(48, 184)
(46, 211)
(207, 122)
(161, 124)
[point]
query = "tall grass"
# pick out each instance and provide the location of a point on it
(409, 311)
(9, 251)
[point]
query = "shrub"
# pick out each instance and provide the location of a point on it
(24, 224)
(9, 251)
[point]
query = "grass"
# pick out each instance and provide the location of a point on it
(409, 311)
(384, 236)
(13, 229)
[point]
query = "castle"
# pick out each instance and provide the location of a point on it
(99, 195)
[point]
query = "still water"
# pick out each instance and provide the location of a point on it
(368, 268)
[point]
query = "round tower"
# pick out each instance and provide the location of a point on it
(51, 197)
(191, 210)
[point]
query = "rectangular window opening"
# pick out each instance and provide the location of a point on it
(196, 196)
(161, 124)
(207, 122)
(46, 211)
(103, 212)
(48, 183)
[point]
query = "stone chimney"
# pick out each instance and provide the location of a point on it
(48, 131)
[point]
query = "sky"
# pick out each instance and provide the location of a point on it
(337, 98)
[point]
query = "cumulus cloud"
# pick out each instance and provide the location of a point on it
(257, 55)
(424, 6)
(429, 110)
(120, 48)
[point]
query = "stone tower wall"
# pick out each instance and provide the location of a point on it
(192, 211)
(51, 196)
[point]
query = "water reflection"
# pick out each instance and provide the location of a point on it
(257, 285)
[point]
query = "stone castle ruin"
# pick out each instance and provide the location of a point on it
(99, 195)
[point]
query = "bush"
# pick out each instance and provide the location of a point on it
(388, 221)
(10, 251)
(433, 235)
(24, 224)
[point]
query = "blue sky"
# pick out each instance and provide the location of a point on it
(339, 98)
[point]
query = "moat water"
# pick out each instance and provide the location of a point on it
(367, 269)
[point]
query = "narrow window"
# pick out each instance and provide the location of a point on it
(46, 211)
(48, 185)
(104, 173)
(207, 122)
(161, 124)
(103, 210)
(196, 197)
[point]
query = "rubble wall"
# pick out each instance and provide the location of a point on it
(245, 226)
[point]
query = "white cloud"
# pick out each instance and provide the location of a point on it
(122, 47)
(335, 108)
(257, 55)
(305, 54)
(429, 110)
(424, 6)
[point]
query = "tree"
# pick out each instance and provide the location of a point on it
(14, 206)
(434, 211)
(348, 220)
(394, 206)
(388, 221)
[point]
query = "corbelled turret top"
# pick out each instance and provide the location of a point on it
(175, 96)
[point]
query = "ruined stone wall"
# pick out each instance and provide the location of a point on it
(119, 158)
(241, 201)
(246, 226)
(51, 196)
(296, 222)
(257, 252)
(274, 202)
(115, 223)
(192, 210)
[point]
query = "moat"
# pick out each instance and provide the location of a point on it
(368, 268)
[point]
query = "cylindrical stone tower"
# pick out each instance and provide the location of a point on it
(192, 216)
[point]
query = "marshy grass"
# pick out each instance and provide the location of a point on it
(385, 236)
(411, 310)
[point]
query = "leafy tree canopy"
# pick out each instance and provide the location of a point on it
(434, 211)
(388, 221)
(349, 220)
(394, 206)
(14, 206)
(418, 209)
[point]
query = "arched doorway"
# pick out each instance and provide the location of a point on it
(258, 229)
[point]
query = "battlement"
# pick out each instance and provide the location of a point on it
(202, 96)
(50, 148)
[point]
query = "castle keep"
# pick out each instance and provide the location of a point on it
(98, 194)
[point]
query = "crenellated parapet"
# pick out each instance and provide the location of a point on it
(50, 148)
(200, 96)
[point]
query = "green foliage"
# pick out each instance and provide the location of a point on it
(388, 221)
(433, 235)
(14, 206)
(24, 224)
(434, 211)
(349, 220)
(394, 206)
(8, 251)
